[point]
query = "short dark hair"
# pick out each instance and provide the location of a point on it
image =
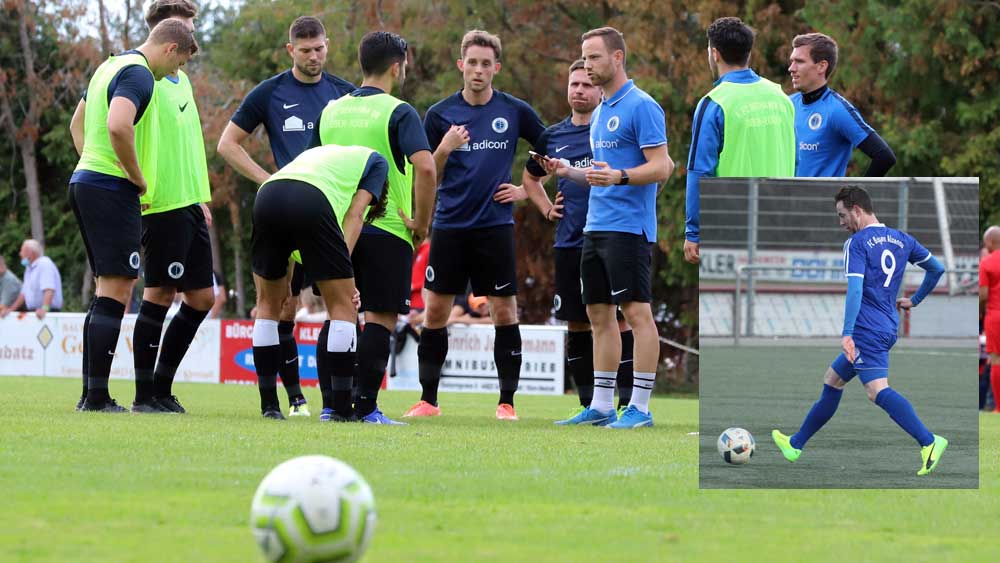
(481, 38)
(732, 38)
(821, 48)
(854, 194)
(379, 50)
(305, 27)
(613, 39)
(174, 31)
(578, 64)
(160, 10)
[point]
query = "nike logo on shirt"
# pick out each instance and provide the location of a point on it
(561, 148)
(288, 106)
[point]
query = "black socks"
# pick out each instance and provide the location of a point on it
(145, 345)
(289, 368)
(373, 356)
(580, 363)
(625, 370)
(102, 338)
(176, 341)
(507, 355)
(432, 351)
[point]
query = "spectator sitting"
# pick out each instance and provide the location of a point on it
(470, 310)
(312, 308)
(10, 287)
(42, 288)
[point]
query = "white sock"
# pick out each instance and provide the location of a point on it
(642, 388)
(604, 391)
(265, 333)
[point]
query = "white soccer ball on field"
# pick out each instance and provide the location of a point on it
(736, 446)
(313, 509)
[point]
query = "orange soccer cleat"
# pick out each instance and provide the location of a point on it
(423, 408)
(506, 412)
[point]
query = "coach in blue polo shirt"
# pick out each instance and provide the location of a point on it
(827, 126)
(629, 141)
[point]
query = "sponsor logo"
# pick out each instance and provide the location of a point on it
(184, 107)
(239, 331)
(584, 163)
(133, 260)
(815, 121)
(557, 302)
(606, 145)
(175, 270)
(499, 287)
(499, 125)
(429, 273)
(484, 145)
(561, 148)
(808, 146)
(613, 123)
(288, 106)
(619, 292)
(293, 123)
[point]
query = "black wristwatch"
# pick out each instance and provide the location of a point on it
(624, 181)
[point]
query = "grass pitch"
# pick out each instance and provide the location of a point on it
(762, 388)
(463, 487)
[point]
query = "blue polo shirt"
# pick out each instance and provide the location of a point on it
(289, 110)
(571, 144)
(620, 128)
(706, 146)
(474, 171)
(826, 132)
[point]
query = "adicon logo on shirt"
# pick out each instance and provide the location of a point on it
(293, 123)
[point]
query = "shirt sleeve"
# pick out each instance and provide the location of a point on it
(651, 125)
(412, 138)
(253, 111)
(48, 276)
(703, 160)
(374, 176)
(918, 254)
(533, 167)
(433, 130)
(854, 259)
(134, 83)
(849, 123)
(531, 126)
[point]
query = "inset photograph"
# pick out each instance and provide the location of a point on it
(839, 333)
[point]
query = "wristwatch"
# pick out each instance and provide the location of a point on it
(624, 181)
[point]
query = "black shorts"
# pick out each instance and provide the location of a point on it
(382, 272)
(111, 227)
(298, 280)
(485, 257)
(615, 268)
(568, 301)
(177, 251)
(290, 215)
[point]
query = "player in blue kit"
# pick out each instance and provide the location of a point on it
(827, 126)
(875, 258)
(474, 135)
(288, 105)
(569, 141)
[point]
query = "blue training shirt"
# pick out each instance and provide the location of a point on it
(474, 171)
(706, 145)
(134, 83)
(570, 143)
(879, 255)
(826, 132)
(289, 110)
(620, 128)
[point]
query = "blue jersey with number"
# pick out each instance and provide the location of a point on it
(879, 255)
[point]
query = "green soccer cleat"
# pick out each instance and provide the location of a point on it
(785, 445)
(931, 455)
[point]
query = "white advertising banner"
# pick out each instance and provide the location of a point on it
(53, 347)
(469, 366)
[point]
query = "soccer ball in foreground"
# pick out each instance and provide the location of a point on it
(313, 509)
(736, 446)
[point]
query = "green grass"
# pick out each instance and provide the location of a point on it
(762, 388)
(464, 487)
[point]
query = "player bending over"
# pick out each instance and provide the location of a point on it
(875, 258)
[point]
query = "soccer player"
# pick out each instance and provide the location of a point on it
(827, 126)
(474, 134)
(875, 258)
(744, 126)
(316, 205)
(989, 300)
(569, 140)
(629, 140)
(288, 105)
(116, 134)
(371, 117)
(177, 250)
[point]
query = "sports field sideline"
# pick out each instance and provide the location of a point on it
(463, 487)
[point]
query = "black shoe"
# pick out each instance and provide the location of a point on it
(170, 404)
(79, 404)
(108, 406)
(149, 406)
(335, 417)
(274, 413)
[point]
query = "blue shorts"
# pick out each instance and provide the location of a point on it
(871, 357)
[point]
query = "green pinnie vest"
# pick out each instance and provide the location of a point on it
(759, 130)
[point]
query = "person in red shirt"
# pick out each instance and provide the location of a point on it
(989, 299)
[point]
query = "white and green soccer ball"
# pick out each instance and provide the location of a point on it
(736, 446)
(313, 509)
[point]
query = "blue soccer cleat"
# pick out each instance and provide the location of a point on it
(633, 418)
(590, 417)
(376, 417)
(325, 415)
